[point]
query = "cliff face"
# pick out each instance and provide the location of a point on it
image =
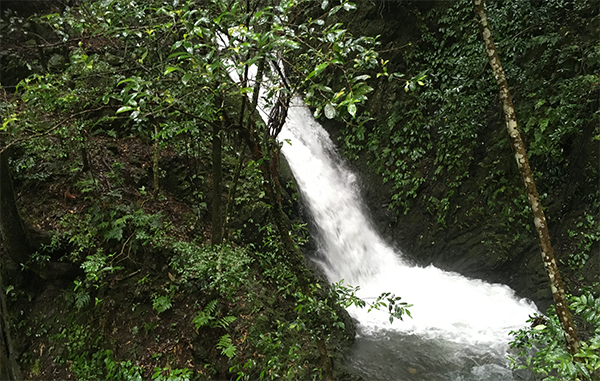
(438, 172)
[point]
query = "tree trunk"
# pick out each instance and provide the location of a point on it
(15, 242)
(9, 368)
(20, 241)
(217, 220)
(15, 239)
(558, 292)
(155, 160)
(232, 191)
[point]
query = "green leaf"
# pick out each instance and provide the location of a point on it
(201, 319)
(124, 109)
(543, 124)
(349, 6)
(170, 69)
(334, 10)
(317, 113)
(226, 346)
(352, 109)
(115, 233)
(329, 111)
(186, 78)
(318, 69)
(363, 77)
(161, 304)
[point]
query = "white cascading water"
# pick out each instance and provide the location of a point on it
(460, 326)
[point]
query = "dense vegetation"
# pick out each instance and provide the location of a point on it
(164, 236)
(443, 147)
(159, 241)
(451, 130)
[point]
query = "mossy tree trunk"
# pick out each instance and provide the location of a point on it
(558, 292)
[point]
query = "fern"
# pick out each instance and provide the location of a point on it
(201, 319)
(208, 317)
(211, 307)
(205, 316)
(226, 346)
(225, 321)
(162, 303)
(82, 299)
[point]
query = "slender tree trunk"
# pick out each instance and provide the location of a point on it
(232, 191)
(9, 368)
(558, 292)
(155, 160)
(217, 220)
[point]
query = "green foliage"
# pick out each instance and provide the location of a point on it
(392, 302)
(430, 134)
(77, 345)
(346, 297)
(589, 234)
(221, 268)
(80, 296)
(226, 346)
(285, 358)
(162, 303)
(101, 366)
(208, 317)
(542, 346)
(167, 374)
(444, 146)
(154, 72)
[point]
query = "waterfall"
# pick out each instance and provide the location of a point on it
(460, 326)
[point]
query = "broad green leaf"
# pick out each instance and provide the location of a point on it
(329, 111)
(186, 78)
(352, 109)
(124, 109)
(334, 10)
(318, 69)
(359, 78)
(170, 69)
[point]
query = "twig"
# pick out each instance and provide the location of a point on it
(130, 275)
